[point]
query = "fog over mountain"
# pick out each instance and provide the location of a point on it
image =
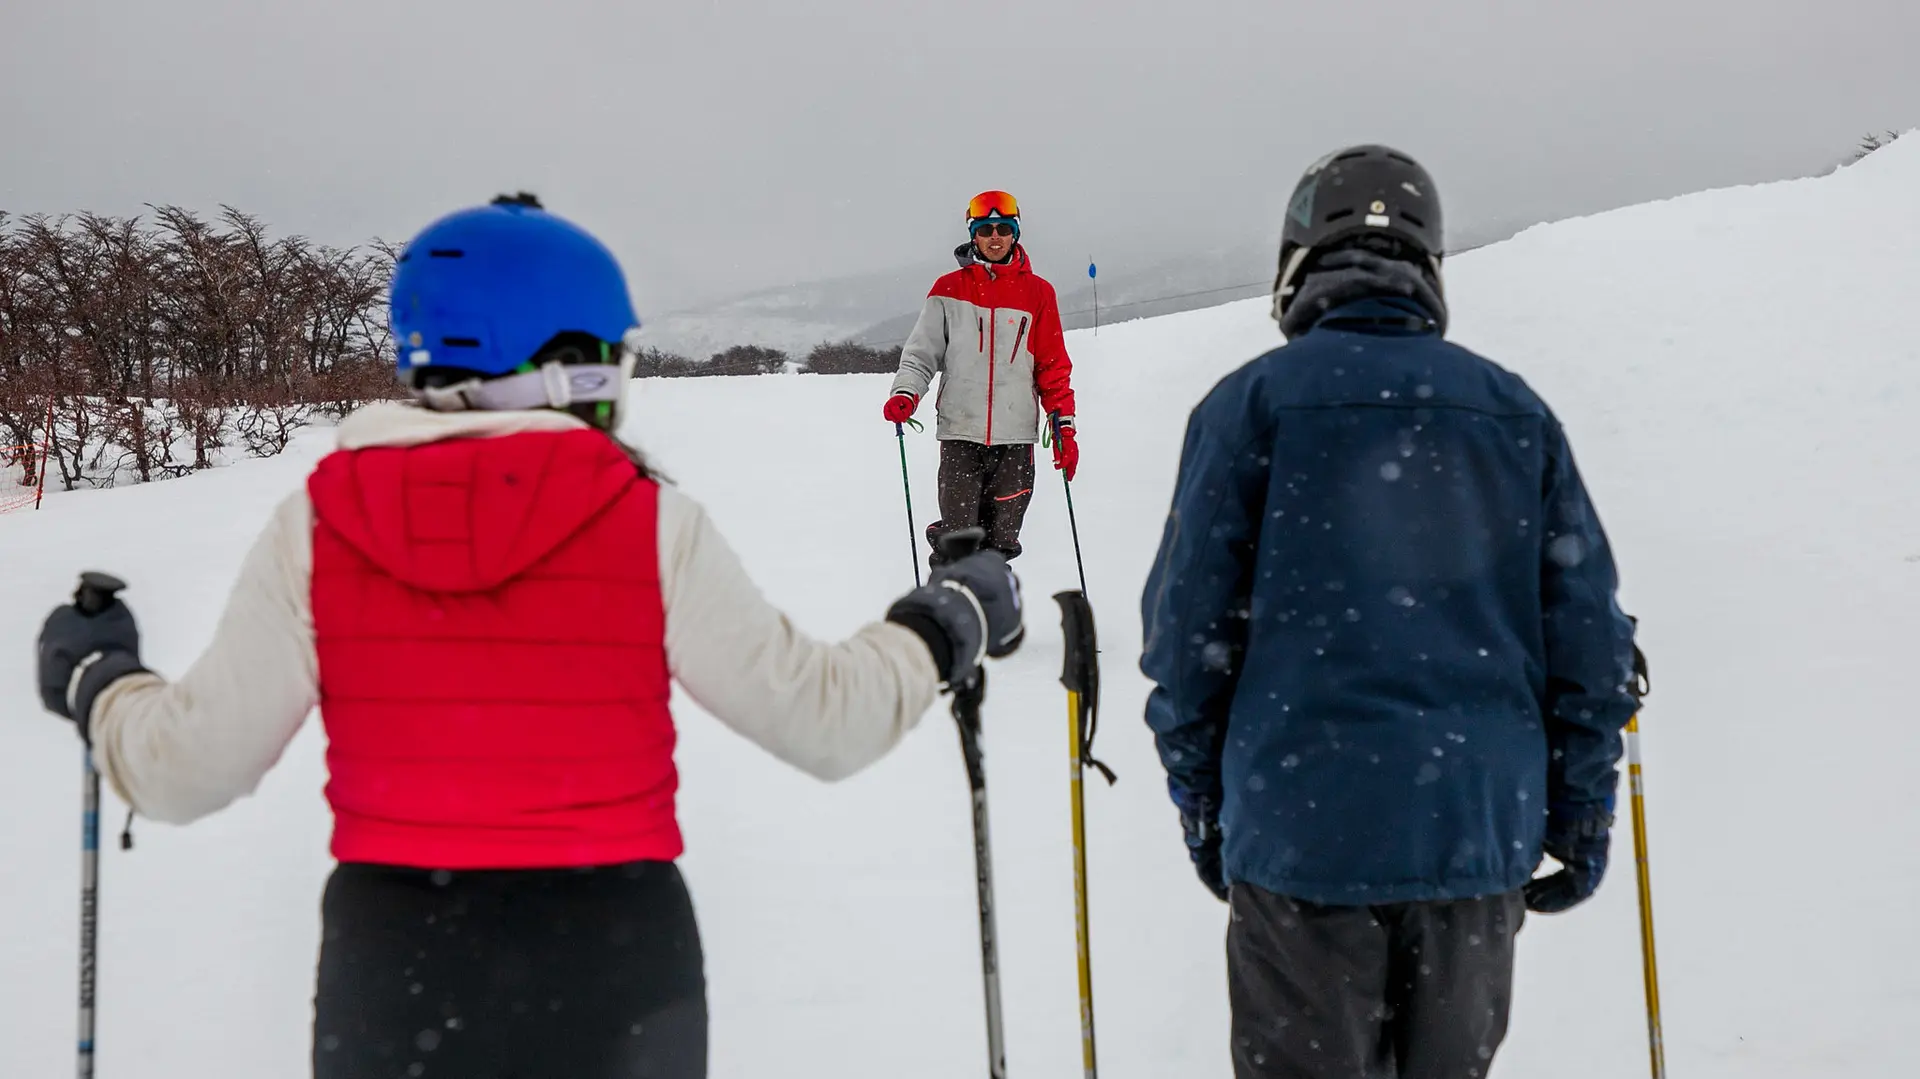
(725, 148)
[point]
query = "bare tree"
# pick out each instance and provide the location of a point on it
(157, 346)
(1870, 143)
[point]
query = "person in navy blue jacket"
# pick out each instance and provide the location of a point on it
(1390, 670)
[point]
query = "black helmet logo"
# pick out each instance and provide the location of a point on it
(1301, 209)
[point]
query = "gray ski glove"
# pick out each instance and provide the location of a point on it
(85, 646)
(968, 611)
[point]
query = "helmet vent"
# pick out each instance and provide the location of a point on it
(446, 253)
(1350, 155)
(460, 342)
(1415, 221)
(1338, 214)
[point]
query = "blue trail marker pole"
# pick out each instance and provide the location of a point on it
(1093, 274)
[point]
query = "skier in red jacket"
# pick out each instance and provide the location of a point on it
(991, 331)
(487, 595)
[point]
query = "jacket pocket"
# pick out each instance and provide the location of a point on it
(1017, 338)
(980, 325)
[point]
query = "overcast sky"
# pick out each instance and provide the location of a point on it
(723, 145)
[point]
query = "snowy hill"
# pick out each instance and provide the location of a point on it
(1738, 372)
(880, 308)
(795, 318)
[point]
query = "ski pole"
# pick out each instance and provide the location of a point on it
(966, 712)
(913, 544)
(1081, 675)
(1053, 418)
(1656, 1039)
(95, 594)
(89, 912)
(1650, 968)
(967, 698)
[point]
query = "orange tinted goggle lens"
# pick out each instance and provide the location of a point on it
(988, 203)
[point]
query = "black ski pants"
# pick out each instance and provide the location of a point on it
(589, 973)
(1397, 991)
(983, 486)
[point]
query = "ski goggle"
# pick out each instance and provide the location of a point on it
(992, 204)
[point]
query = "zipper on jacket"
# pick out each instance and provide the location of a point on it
(993, 346)
(1017, 338)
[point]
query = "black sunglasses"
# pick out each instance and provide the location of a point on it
(1000, 228)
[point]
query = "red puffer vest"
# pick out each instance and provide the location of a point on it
(493, 672)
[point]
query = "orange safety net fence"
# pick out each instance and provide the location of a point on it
(23, 476)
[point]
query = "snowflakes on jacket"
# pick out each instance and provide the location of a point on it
(1382, 627)
(992, 333)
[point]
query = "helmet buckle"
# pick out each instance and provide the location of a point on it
(553, 376)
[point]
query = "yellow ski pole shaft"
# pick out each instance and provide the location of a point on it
(1082, 929)
(1080, 674)
(1656, 1046)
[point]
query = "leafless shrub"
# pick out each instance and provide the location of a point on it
(746, 360)
(658, 363)
(847, 358)
(155, 345)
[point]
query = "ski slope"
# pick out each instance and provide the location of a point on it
(1739, 373)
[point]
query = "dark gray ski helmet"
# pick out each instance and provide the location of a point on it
(1361, 191)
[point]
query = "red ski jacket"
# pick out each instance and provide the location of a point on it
(488, 621)
(993, 335)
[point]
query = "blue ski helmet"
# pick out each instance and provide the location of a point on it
(483, 289)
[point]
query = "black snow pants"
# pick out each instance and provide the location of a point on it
(1398, 991)
(984, 486)
(591, 973)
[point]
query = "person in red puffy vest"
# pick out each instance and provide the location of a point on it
(488, 595)
(991, 331)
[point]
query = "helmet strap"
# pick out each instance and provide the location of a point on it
(552, 384)
(1287, 283)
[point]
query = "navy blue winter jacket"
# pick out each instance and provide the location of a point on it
(1382, 623)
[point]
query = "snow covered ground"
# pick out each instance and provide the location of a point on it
(1738, 371)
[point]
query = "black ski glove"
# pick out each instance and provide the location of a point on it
(1577, 838)
(85, 646)
(967, 611)
(1202, 829)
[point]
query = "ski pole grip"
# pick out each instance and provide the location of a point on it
(955, 546)
(96, 592)
(1076, 626)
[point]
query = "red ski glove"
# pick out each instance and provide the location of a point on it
(1066, 451)
(900, 407)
